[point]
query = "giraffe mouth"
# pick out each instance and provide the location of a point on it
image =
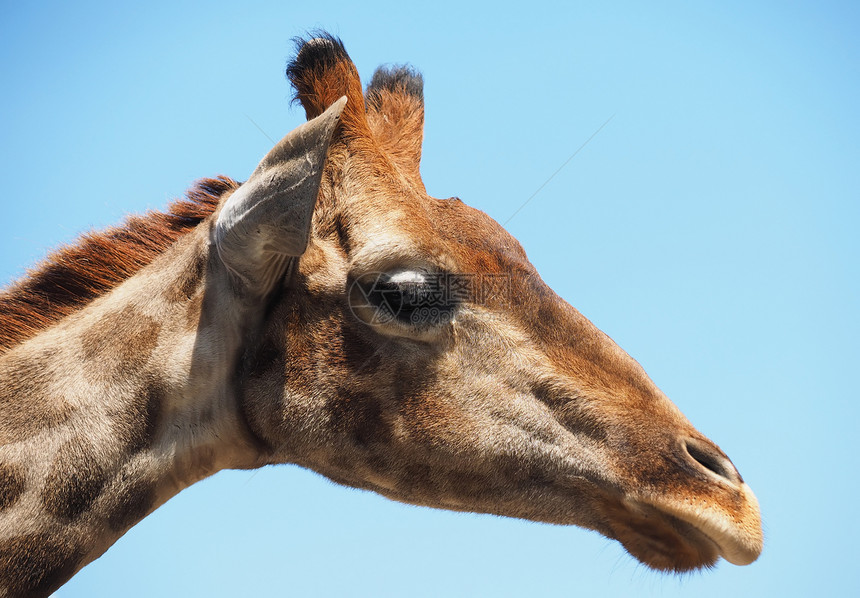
(671, 535)
(736, 532)
(660, 540)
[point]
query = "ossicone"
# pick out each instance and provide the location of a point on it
(321, 73)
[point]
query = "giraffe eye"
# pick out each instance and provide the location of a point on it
(410, 298)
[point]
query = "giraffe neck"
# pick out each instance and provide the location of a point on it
(114, 410)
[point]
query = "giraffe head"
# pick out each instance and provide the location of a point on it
(409, 347)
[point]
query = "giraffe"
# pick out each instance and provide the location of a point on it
(329, 313)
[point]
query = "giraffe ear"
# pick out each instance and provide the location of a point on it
(267, 220)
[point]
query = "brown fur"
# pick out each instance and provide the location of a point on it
(99, 342)
(321, 73)
(73, 276)
(129, 500)
(23, 409)
(395, 114)
(138, 424)
(11, 484)
(75, 481)
(35, 565)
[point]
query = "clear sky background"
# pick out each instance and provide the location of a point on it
(710, 228)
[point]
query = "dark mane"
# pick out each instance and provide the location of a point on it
(74, 275)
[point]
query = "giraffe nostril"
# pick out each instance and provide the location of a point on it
(712, 459)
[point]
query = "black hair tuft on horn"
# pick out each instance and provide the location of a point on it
(397, 79)
(317, 52)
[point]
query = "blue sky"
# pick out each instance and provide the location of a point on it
(709, 228)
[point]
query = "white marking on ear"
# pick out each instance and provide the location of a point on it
(267, 220)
